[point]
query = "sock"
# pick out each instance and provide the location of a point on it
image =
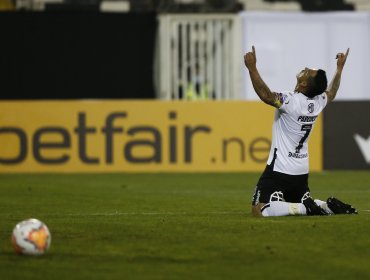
(323, 205)
(282, 208)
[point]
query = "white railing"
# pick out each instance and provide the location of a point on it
(198, 57)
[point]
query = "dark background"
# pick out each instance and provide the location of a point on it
(342, 120)
(76, 54)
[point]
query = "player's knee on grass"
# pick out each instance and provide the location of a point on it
(256, 209)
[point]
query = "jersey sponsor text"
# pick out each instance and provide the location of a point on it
(297, 155)
(307, 118)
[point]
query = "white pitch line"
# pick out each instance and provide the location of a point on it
(157, 214)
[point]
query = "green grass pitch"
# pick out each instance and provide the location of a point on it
(181, 226)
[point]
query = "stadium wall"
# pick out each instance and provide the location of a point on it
(288, 42)
(139, 136)
(75, 54)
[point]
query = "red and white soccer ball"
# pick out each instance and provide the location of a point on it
(31, 237)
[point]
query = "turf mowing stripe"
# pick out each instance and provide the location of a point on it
(159, 214)
(156, 214)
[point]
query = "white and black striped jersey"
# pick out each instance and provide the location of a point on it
(292, 127)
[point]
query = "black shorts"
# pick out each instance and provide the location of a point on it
(291, 187)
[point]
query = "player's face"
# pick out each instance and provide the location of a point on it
(303, 78)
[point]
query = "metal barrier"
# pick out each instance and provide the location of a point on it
(199, 57)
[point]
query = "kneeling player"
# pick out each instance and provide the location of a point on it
(283, 187)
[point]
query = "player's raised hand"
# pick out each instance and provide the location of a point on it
(341, 58)
(250, 59)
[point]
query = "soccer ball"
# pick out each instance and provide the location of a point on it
(31, 237)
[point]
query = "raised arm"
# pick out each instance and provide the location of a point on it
(333, 87)
(259, 85)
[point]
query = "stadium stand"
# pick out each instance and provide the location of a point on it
(6, 5)
(306, 5)
(191, 6)
(260, 5)
(360, 5)
(320, 6)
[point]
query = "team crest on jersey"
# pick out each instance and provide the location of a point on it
(311, 107)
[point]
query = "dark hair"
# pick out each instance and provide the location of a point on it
(317, 84)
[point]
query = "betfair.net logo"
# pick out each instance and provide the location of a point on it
(171, 143)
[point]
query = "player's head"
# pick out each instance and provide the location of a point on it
(311, 82)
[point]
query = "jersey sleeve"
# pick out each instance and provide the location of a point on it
(287, 101)
(323, 100)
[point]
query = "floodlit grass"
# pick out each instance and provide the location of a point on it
(181, 226)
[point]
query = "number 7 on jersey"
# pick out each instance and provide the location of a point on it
(307, 128)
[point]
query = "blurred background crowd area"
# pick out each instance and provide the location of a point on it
(174, 49)
(185, 6)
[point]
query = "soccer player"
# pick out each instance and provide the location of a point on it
(283, 187)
